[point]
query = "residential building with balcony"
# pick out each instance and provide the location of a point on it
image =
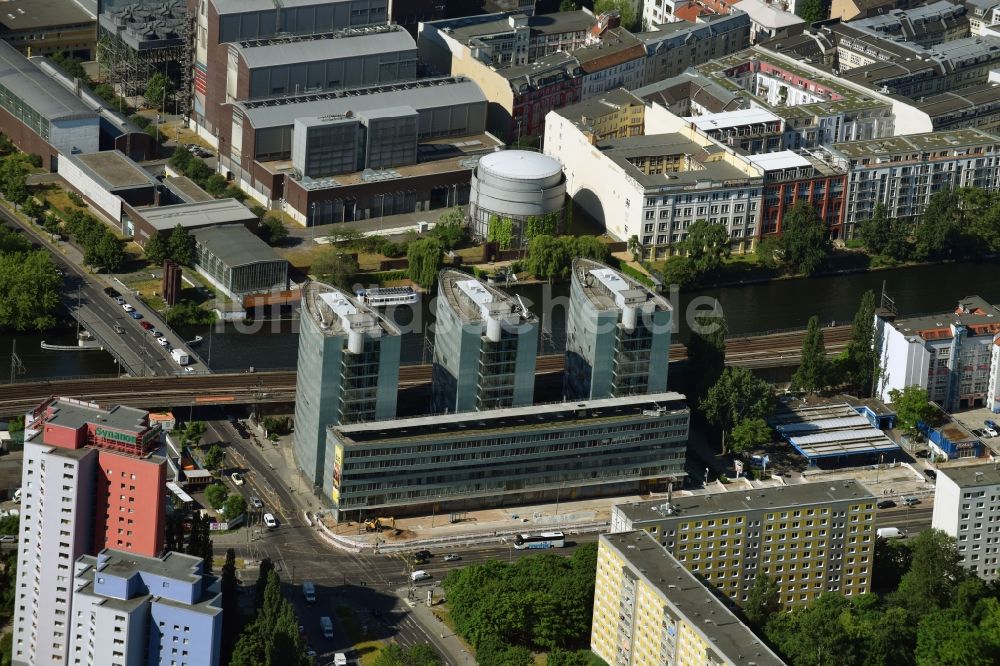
(808, 538)
(967, 508)
(673, 47)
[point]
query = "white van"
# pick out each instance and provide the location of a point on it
(340, 659)
(309, 592)
(419, 574)
(889, 533)
(326, 624)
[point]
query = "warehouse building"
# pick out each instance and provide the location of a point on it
(237, 262)
(506, 456)
(141, 223)
(40, 117)
(108, 180)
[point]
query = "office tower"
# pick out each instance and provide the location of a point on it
(617, 335)
(91, 481)
(130, 609)
(967, 507)
(348, 370)
(485, 343)
(809, 538)
(649, 609)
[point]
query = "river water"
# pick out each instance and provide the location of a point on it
(748, 309)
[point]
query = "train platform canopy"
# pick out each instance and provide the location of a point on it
(830, 431)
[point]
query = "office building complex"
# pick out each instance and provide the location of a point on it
(967, 507)
(348, 370)
(91, 481)
(809, 538)
(506, 456)
(649, 609)
(617, 335)
(952, 354)
(485, 344)
(130, 609)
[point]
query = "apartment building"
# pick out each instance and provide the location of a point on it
(980, 14)
(769, 21)
(616, 114)
(517, 455)
(485, 345)
(348, 370)
(809, 538)
(967, 507)
(924, 25)
(952, 354)
(617, 335)
(91, 480)
(810, 176)
(130, 609)
(649, 609)
(616, 60)
(904, 172)
(659, 12)
(673, 47)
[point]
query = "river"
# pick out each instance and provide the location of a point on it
(748, 309)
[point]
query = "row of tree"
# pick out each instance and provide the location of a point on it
(551, 257)
(272, 638)
(29, 284)
(101, 247)
(179, 247)
(196, 169)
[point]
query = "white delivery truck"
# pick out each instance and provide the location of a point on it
(889, 533)
(180, 356)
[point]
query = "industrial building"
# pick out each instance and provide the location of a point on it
(966, 509)
(516, 185)
(617, 335)
(40, 117)
(649, 609)
(142, 223)
(47, 27)
(129, 609)
(808, 538)
(506, 456)
(953, 355)
(237, 262)
(108, 180)
(835, 432)
(485, 345)
(348, 372)
(91, 480)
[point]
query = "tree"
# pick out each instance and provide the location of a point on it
(263, 572)
(803, 241)
(940, 232)
(156, 250)
(335, 268)
(587, 247)
(568, 6)
(541, 225)
(13, 174)
(749, 434)
(450, 229)
(181, 244)
(579, 658)
(216, 494)
(736, 396)
(206, 549)
(763, 601)
(548, 258)
(158, 88)
(425, 260)
(625, 8)
(812, 371)
(272, 230)
(500, 230)
(214, 457)
(813, 11)
(912, 405)
(860, 357)
(232, 618)
(72, 66)
(415, 655)
(234, 506)
(10, 525)
(29, 286)
(680, 271)
(216, 184)
(891, 561)
(109, 252)
(875, 231)
(180, 159)
(948, 638)
(193, 432)
(934, 576)
(706, 244)
(706, 352)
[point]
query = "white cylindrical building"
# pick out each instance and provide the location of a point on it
(516, 185)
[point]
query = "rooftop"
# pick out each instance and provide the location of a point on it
(918, 144)
(198, 214)
(669, 34)
(241, 6)
(829, 430)
(767, 15)
(235, 245)
(348, 43)
(739, 501)
(583, 114)
(113, 170)
(187, 189)
(616, 46)
(608, 289)
(973, 312)
(687, 597)
(727, 119)
(694, 86)
(475, 302)
(40, 14)
(467, 28)
(339, 313)
(471, 424)
(964, 101)
(972, 476)
(421, 95)
(698, 168)
(75, 414)
(175, 566)
(23, 79)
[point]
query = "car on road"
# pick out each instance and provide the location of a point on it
(424, 554)
(119, 329)
(112, 292)
(340, 659)
(923, 453)
(135, 315)
(8, 538)
(146, 326)
(237, 478)
(889, 533)
(418, 560)
(931, 474)
(419, 574)
(326, 624)
(911, 501)
(162, 342)
(255, 502)
(119, 300)
(991, 428)
(886, 504)
(452, 557)
(269, 521)
(188, 368)
(127, 308)
(155, 333)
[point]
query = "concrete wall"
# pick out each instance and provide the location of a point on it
(79, 180)
(903, 363)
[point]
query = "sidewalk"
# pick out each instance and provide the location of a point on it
(445, 640)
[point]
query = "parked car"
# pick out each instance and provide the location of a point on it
(112, 292)
(270, 521)
(119, 329)
(452, 557)
(911, 501)
(237, 478)
(931, 474)
(135, 315)
(163, 342)
(146, 325)
(155, 333)
(255, 502)
(886, 504)
(127, 308)
(119, 300)
(991, 428)
(425, 554)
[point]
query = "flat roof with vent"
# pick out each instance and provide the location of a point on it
(729, 640)
(829, 431)
(978, 316)
(972, 476)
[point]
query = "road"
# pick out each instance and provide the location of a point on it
(910, 520)
(135, 350)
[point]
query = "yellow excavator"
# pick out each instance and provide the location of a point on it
(379, 524)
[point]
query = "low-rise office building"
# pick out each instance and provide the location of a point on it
(967, 508)
(145, 610)
(108, 180)
(649, 609)
(237, 262)
(506, 456)
(808, 538)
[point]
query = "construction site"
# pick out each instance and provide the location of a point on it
(137, 38)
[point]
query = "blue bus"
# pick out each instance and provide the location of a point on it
(543, 540)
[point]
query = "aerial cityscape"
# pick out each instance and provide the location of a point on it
(499, 332)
